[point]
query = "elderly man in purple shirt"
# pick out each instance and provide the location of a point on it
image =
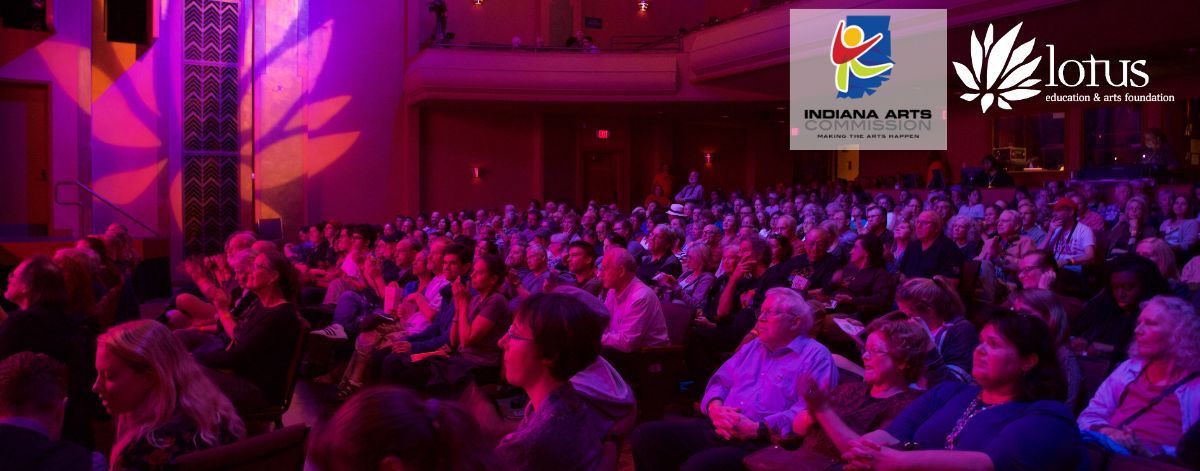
(751, 398)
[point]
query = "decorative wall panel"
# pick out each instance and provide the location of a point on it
(211, 195)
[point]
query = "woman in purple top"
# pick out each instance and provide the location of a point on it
(553, 337)
(1013, 419)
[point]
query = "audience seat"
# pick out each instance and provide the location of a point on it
(1095, 371)
(659, 369)
(273, 414)
(283, 449)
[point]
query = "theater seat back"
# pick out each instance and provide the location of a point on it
(280, 450)
(678, 318)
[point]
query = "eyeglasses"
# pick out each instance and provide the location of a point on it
(869, 353)
(1024, 270)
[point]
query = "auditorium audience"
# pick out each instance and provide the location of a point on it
(428, 305)
(1149, 402)
(42, 325)
(164, 404)
(893, 361)
(1013, 419)
(1105, 327)
(752, 397)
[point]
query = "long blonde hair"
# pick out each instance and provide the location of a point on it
(180, 387)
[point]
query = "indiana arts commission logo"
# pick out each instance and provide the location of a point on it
(861, 52)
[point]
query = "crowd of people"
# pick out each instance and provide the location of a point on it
(903, 329)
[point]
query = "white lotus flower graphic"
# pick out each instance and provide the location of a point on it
(998, 72)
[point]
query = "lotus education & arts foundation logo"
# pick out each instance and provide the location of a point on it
(860, 53)
(998, 72)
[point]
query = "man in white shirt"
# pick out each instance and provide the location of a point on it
(637, 318)
(1072, 244)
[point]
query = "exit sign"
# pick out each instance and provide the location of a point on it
(602, 134)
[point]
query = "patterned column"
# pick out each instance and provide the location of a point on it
(211, 195)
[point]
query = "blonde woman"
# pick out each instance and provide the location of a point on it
(164, 404)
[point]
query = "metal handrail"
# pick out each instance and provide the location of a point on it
(102, 199)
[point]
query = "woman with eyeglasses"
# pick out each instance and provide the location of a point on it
(1014, 418)
(552, 338)
(893, 359)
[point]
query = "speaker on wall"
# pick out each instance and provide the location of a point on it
(127, 21)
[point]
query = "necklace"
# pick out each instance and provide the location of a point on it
(973, 409)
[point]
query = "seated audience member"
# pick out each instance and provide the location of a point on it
(1149, 402)
(1037, 270)
(1013, 419)
(902, 235)
(1029, 223)
(480, 318)
(661, 259)
(965, 233)
(941, 310)
(398, 355)
(751, 398)
(781, 249)
(216, 270)
(691, 289)
(893, 360)
(863, 287)
(553, 338)
(1106, 325)
(693, 191)
(41, 325)
(391, 428)
(77, 267)
(209, 335)
(357, 241)
(1133, 227)
(1005, 250)
(33, 399)
(737, 309)
(164, 403)
(395, 323)
(533, 280)
(581, 261)
(811, 270)
(637, 318)
(1180, 227)
(930, 253)
(1072, 244)
(1157, 251)
(263, 338)
(1044, 305)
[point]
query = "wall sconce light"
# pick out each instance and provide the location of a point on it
(477, 3)
(475, 173)
(708, 159)
(643, 5)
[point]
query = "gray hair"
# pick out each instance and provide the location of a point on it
(1184, 325)
(794, 304)
(620, 257)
